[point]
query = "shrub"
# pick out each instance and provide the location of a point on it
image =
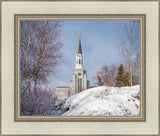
(37, 104)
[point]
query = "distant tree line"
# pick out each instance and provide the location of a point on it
(106, 75)
(115, 75)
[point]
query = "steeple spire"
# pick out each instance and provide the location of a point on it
(79, 47)
(79, 56)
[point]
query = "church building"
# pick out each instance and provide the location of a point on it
(79, 79)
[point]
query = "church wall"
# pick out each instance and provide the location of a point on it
(61, 93)
(85, 81)
(72, 91)
(82, 77)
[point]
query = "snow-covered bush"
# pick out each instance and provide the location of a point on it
(37, 104)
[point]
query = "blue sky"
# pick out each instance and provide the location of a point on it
(100, 42)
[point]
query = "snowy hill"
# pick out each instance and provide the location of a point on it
(104, 101)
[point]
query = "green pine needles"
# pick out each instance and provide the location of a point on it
(120, 77)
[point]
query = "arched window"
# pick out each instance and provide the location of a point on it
(79, 84)
(79, 61)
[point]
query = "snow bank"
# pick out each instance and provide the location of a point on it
(105, 101)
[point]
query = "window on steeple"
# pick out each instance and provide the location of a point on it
(79, 61)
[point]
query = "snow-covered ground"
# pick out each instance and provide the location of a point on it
(105, 101)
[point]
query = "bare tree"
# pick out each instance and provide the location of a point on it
(39, 104)
(136, 70)
(40, 52)
(129, 44)
(107, 75)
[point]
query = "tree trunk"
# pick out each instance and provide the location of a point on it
(35, 85)
(28, 88)
(130, 56)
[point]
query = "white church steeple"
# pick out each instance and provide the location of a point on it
(79, 78)
(79, 56)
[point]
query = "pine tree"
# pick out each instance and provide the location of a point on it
(100, 83)
(120, 77)
(127, 79)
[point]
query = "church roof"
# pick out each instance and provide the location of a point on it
(79, 47)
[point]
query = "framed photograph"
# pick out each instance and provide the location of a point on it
(44, 62)
(80, 68)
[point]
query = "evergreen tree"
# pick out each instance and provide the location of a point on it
(127, 79)
(100, 83)
(120, 77)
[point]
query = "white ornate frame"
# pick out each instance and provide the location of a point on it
(147, 126)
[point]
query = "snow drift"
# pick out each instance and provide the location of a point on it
(104, 101)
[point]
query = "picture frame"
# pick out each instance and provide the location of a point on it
(14, 124)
